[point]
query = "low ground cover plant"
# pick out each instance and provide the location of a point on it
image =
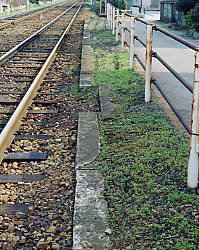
(144, 160)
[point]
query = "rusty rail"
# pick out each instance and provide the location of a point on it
(7, 134)
(192, 180)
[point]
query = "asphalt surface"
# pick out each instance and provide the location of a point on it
(178, 56)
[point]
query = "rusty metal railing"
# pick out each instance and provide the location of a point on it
(116, 19)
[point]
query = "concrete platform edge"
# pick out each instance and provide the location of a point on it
(90, 221)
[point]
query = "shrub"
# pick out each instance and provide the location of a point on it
(120, 4)
(192, 18)
(96, 8)
(185, 5)
(34, 1)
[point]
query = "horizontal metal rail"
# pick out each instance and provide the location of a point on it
(7, 134)
(177, 38)
(27, 15)
(180, 117)
(155, 55)
(20, 46)
(193, 166)
(181, 79)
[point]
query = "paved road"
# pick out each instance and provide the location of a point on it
(177, 56)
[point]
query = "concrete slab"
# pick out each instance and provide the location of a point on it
(86, 74)
(106, 105)
(90, 216)
(86, 50)
(86, 33)
(86, 80)
(87, 139)
(86, 64)
(86, 41)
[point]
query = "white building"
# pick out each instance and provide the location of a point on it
(147, 4)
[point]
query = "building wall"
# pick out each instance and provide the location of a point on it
(169, 14)
(147, 4)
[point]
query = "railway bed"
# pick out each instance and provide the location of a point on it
(13, 34)
(38, 171)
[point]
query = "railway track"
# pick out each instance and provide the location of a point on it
(15, 31)
(37, 170)
(13, 19)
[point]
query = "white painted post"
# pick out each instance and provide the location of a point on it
(148, 62)
(123, 30)
(111, 16)
(132, 45)
(27, 4)
(108, 13)
(100, 7)
(113, 20)
(117, 25)
(1, 6)
(192, 179)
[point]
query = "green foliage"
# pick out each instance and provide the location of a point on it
(121, 4)
(34, 1)
(143, 159)
(185, 5)
(96, 8)
(192, 18)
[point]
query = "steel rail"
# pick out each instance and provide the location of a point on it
(176, 38)
(27, 15)
(181, 79)
(154, 81)
(20, 46)
(7, 134)
(173, 72)
(179, 116)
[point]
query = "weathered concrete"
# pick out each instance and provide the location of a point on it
(87, 139)
(170, 14)
(86, 50)
(106, 105)
(86, 64)
(90, 216)
(90, 222)
(86, 74)
(86, 80)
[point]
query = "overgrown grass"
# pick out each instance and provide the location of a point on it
(144, 161)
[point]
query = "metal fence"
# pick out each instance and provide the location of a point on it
(117, 21)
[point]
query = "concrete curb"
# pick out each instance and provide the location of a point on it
(90, 210)
(107, 107)
(86, 74)
(90, 221)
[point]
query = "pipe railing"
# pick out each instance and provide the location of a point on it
(119, 20)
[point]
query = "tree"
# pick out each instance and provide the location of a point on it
(185, 5)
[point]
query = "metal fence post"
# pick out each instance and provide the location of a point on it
(111, 13)
(113, 20)
(123, 30)
(132, 45)
(192, 179)
(117, 25)
(148, 62)
(107, 11)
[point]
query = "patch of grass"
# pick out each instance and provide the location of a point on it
(144, 162)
